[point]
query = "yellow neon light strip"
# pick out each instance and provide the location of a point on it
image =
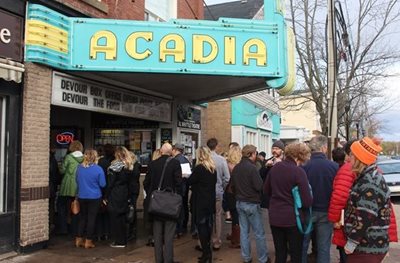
(291, 82)
(40, 33)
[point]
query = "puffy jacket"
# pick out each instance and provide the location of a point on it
(341, 185)
(393, 226)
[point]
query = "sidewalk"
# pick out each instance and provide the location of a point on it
(61, 250)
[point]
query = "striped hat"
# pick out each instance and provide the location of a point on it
(366, 150)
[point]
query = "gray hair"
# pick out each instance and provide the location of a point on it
(317, 142)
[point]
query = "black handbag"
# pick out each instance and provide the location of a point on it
(165, 203)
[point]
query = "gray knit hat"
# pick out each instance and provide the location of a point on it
(279, 144)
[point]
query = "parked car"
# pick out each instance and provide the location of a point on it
(391, 173)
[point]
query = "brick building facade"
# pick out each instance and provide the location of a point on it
(36, 109)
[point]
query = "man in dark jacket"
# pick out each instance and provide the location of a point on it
(177, 152)
(164, 229)
(321, 173)
(247, 187)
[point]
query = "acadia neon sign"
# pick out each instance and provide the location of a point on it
(227, 47)
(205, 48)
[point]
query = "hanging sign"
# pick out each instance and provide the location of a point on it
(234, 47)
(78, 93)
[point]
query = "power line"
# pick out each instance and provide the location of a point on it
(209, 11)
(191, 9)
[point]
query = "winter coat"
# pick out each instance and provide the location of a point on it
(321, 172)
(120, 187)
(68, 169)
(203, 183)
(172, 179)
(367, 213)
(278, 190)
(341, 186)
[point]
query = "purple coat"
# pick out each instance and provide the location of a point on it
(282, 177)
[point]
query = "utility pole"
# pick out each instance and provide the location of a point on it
(332, 98)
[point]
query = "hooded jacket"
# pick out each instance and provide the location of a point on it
(120, 187)
(69, 166)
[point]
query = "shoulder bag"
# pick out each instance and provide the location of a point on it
(165, 203)
(297, 206)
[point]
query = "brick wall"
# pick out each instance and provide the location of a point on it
(35, 154)
(219, 123)
(130, 9)
(126, 9)
(185, 6)
(204, 136)
(117, 9)
(34, 222)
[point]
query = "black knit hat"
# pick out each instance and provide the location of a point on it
(279, 144)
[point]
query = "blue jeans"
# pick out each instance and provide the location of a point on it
(250, 216)
(323, 234)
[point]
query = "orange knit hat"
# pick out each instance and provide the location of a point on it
(366, 150)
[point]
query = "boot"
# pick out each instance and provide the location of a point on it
(235, 237)
(79, 242)
(89, 244)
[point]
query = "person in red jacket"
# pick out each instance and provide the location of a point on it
(341, 185)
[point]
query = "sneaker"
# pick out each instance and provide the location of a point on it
(115, 245)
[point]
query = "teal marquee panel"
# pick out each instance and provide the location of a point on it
(229, 47)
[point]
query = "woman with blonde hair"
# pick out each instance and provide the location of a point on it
(202, 181)
(119, 194)
(280, 181)
(156, 154)
(233, 158)
(368, 210)
(68, 189)
(90, 178)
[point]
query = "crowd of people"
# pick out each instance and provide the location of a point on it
(346, 202)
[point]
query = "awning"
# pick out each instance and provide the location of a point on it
(11, 70)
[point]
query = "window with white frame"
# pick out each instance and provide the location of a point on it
(263, 144)
(160, 10)
(251, 137)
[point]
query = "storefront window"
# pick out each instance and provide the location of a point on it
(2, 157)
(190, 140)
(140, 142)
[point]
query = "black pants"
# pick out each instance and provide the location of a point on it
(285, 237)
(205, 228)
(66, 221)
(87, 217)
(118, 228)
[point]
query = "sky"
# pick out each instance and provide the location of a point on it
(390, 119)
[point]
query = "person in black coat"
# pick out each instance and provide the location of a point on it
(202, 181)
(132, 229)
(119, 194)
(103, 218)
(163, 228)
